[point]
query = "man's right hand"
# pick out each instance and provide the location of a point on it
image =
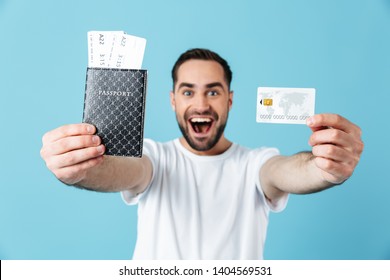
(71, 150)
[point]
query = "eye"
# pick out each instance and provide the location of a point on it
(187, 93)
(212, 93)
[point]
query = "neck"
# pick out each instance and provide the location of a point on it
(222, 145)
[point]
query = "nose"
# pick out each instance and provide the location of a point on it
(201, 102)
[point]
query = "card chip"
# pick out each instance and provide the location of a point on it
(268, 102)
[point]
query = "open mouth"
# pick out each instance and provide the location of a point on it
(201, 125)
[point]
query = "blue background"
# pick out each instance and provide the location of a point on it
(339, 47)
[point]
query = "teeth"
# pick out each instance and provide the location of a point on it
(200, 120)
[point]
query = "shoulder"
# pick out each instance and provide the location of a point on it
(258, 154)
(154, 149)
(150, 144)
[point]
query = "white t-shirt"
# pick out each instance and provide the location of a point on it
(202, 207)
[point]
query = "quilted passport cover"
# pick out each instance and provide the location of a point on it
(115, 103)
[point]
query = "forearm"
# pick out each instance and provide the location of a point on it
(293, 174)
(116, 174)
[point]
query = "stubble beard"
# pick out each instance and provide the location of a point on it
(202, 144)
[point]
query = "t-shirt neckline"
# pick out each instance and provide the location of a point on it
(191, 155)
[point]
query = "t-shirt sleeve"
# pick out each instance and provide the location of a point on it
(263, 155)
(149, 150)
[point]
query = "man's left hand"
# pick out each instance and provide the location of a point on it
(337, 146)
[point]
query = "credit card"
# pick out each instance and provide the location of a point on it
(285, 105)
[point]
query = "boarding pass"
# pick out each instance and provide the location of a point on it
(115, 49)
(285, 105)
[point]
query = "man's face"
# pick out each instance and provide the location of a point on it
(201, 100)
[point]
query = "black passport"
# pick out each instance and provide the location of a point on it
(115, 104)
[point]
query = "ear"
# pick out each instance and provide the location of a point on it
(173, 101)
(230, 99)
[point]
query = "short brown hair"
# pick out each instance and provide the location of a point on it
(202, 54)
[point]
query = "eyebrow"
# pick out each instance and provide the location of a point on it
(211, 85)
(216, 84)
(186, 85)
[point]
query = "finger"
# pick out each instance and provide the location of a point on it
(332, 152)
(68, 144)
(73, 174)
(74, 157)
(317, 128)
(335, 121)
(331, 136)
(68, 130)
(333, 171)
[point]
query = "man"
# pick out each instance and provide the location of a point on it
(202, 196)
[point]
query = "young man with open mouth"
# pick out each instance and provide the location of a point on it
(202, 196)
